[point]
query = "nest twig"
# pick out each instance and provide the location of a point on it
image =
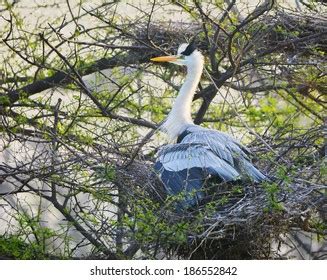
(247, 224)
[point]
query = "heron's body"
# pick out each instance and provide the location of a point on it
(199, 153)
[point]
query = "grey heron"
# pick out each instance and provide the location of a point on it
(199, 153)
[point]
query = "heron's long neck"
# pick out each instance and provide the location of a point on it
(180, 114)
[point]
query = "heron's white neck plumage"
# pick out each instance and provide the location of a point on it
(180, 115)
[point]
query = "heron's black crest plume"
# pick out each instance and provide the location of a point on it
(190, 48)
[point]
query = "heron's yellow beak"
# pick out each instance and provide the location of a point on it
(164, 58)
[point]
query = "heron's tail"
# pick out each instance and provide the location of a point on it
(253, 173)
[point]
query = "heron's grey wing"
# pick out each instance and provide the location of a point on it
(184, 167)
(227, 149)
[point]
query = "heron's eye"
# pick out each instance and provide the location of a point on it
(182, 56)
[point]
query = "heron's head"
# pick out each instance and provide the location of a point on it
(187, 55)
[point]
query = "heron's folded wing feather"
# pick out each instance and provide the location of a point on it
(221, 143)
(226, 148)
(186, 156)
(185, 167)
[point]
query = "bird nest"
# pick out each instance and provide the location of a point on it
(169, 35)
(234, 221)
(243, 224)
